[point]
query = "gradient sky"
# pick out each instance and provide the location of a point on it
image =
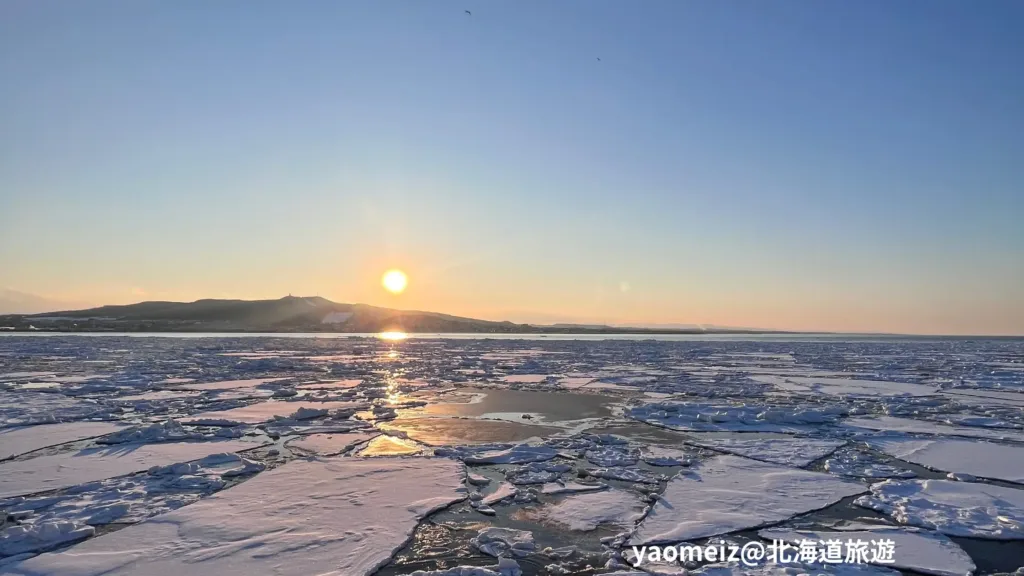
(782, 164)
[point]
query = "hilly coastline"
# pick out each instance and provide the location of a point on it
(291, 314)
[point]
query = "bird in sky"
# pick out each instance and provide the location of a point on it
(468, 12)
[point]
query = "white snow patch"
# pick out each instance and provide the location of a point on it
(953, 508)
(18, 441)
(344, 515)
(730, 493)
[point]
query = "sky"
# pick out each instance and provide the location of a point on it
(795, 165)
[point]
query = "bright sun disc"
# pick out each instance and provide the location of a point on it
(394, 281)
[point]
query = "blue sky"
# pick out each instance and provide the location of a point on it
(799, 165)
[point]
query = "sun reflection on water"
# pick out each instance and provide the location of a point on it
(392, 335)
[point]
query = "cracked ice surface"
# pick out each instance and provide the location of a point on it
(343, 516)
(910, 426)
(974, 457)
(17, 441)
(730, 493)
(796, 452)
(19, 477)
(953, 508)
(598, 412)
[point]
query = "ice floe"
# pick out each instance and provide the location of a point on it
(228, 384)
(43, 536)
(342, 515)
(856, 464)
(796, 452)
(974, 457)
(660, 456)
(504, 491)
(505, 567)
(918, 551)
(730, 493)
(850, 387)
(19, 477)
(495, 541)
(698, 416)
(587, 511)
(570, 487)
(17, 441)
(953, 508)
(330, 444)
(911, 426)
(267, 411)
(519, 454)
(166, 431)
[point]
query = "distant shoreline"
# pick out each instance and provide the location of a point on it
(595, 336)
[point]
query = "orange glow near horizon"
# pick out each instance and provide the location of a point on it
(392, 335)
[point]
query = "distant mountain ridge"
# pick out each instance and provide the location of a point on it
(288, 314)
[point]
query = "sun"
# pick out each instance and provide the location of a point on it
(394, 281)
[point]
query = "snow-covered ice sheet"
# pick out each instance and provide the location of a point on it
(661, 456)
(975, 457)
(228, 384)
(587, 511)
(17, 441)
(954, 508)
(730, 493)
(911, 426)
(796, 452)
(43, 536)
(265, 412)
(920, 551)
(519, 454)
(714, 417)
(46, 521)
(18, 477)
(328, 444)
(856, 464)
(343, 516)
(850, 387)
